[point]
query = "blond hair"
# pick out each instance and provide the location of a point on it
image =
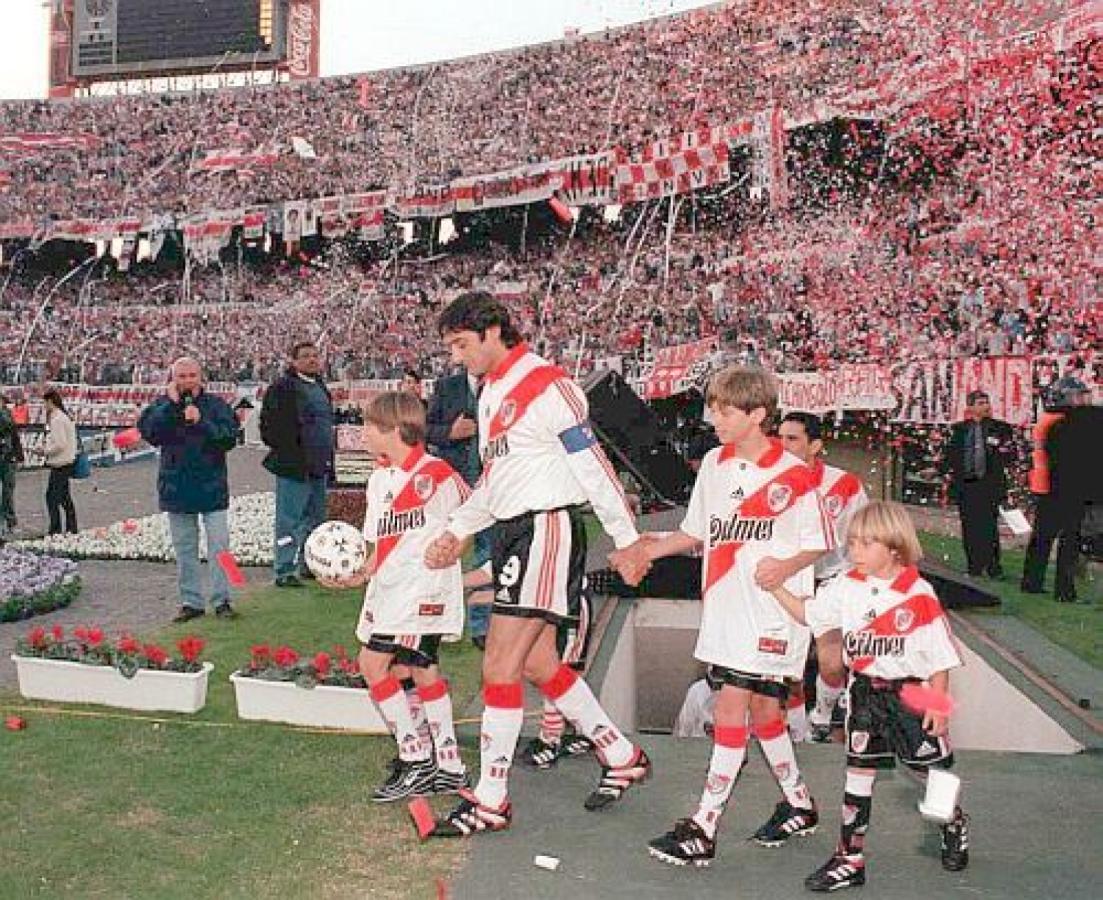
(744, 387)
(887, 523)
(401, 410)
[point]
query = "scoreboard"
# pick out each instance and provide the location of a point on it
(120, 39)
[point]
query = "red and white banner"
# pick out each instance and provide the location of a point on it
(1005, 379)
(678, 173)
(516, 187)
(677, 369)
(32, 143)
(862, 386)
(363, 213)
(253, 224)
(235, 159)
(206, 233)
(425, 202)
(304, 39)
(583, 180)
(687, 140)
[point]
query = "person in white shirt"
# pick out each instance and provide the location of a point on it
(541, 464)
(756, 512)
(842, 495)
(61, 451)
(895, 634)
(408, 607)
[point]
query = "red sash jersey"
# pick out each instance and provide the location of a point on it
(539, 452)
(743, 512)
(842, 495)
(891, 629)
(407, 507)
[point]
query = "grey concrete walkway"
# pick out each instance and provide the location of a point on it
(1035, 833)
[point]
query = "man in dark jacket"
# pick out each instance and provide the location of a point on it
(11, 455)
(977, 456)
(195, 430)
(296, 423)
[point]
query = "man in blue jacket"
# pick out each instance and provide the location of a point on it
(195, 430)
(296, 424)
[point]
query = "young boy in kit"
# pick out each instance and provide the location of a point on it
(757, 514)
(894, 633)
(408, 607)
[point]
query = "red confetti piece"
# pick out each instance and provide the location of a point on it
(126, 438)
(422, 814)
(15, 723)
(920, 698)
(229, 565)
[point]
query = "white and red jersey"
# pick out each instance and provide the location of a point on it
(539, 452)
(842, 495)
(408, 505)
(891, 629)
(744, 512)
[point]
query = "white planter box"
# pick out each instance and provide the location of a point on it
(70, 682)
(347, 709)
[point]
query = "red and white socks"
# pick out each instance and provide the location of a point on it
(417, 710)
(827, 695)
(774, 739)
(438, 711)
(857, 805)
(391, 700)
(796, 715)
(574, 699)
(552, 724)
(729, 749)
(503, 716)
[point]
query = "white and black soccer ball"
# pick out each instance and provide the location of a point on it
(335, 550)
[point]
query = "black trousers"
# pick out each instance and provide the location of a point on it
(58, 498)
(978, 506)
(1054, 520)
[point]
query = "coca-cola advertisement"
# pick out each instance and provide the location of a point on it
(303, 39)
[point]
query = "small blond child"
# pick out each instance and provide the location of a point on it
(895, 634)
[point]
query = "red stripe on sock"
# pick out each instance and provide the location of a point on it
(561, 682)
(770, 730)
(510, 695)
(434, 691)
(795, 699)
(730, 736)
(385, 689)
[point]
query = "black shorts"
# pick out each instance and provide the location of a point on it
(572, 636)
(417, 650)
(766, 685)
(539, 563)
(880, 729)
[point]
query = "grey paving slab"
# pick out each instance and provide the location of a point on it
(1036, 833)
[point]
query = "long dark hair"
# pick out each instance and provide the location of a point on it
(54, 396)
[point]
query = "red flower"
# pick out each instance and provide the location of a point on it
(81, 634)
(349, 667)
(340, 652)
(190, 647)
(58, 633)
(157, 657)
(128, 644)
(321, 664)
(261, 654)
(37, 638)
(285, 656)
(95, 636)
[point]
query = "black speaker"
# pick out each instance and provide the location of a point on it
(636, 444)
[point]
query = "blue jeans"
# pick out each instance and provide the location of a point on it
(300, 508)
(478, 617)
(184, 528)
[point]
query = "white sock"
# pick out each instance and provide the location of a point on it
(728, 751)
(438, 710)
(551, 724)
(391, 700)
(503, 716)
(578, 704)
(826, 698)
(778, 748)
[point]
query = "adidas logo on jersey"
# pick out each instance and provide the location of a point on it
(737, 495)
(388, 497)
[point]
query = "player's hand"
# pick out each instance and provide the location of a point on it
(192, 414)
(936, 724)
(463, 428)
(444, 551)
(770, 573)
(632, 562)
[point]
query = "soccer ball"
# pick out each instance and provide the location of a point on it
(335, 550)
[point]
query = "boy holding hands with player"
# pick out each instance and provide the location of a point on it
(755, 510)
(895, 636)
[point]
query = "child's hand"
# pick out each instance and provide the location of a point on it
(770, 573)
(935, 723)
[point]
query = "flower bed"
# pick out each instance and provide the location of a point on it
(251, 522)
(322, 691)
(32, 584)
(129, 673)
